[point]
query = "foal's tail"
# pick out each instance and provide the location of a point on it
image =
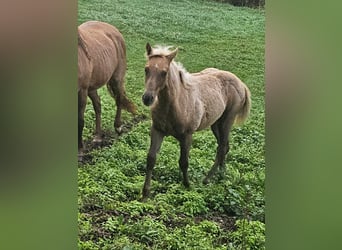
(117, 91)
(244, 111)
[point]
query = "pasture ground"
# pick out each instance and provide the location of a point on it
(226, 214)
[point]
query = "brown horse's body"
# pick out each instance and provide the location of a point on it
(101, 60)
(182, 103)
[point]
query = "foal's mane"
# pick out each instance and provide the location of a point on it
(176, 70)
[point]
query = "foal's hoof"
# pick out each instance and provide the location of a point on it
(205, 181)
(186, 185)
(222, 175)
(143, 199)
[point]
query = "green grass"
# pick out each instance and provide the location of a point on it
(208, 34)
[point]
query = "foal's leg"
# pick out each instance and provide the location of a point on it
(82, 101)
(156, 141)
(216, 132)
(224, 129)
(221, 131)
(185, 144)
(97, 108)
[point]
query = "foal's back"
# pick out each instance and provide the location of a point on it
(219, 91)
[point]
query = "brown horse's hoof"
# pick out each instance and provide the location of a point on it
(97, 141)
(80, 158)
(119, 130)
(80, 155)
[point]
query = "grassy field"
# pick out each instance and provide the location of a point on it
(226, 214)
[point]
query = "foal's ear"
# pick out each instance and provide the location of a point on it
(148, 49)
(172, 55)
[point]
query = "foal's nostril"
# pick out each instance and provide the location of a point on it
(147, 99)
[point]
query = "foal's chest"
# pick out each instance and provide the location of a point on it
(168, 123)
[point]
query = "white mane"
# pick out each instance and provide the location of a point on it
(176, 68)
(161, 50)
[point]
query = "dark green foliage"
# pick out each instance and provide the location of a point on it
(249, 3)
(249, 235)
(226, 214)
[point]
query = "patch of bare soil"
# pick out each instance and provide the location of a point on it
(109, 137)
(226, 222)
(101, 215)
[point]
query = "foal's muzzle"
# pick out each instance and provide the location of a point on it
(147, 99)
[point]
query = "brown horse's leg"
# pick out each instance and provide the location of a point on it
(185, 144)
(97, 108)
(117, 90)
(113, 87)
(221, 131)
(82, 101)
(156, 141)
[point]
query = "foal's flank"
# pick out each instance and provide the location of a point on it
(183, 103)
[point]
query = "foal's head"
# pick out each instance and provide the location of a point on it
(156, 70)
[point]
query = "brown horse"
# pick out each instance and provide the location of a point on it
(182, 103)
(101, 60)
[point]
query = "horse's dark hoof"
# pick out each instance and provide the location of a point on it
(186, 185)
(145, 194)
(221, 176)
(80, 155)
(97, 141)
(143, 199)
(80, 158)
(119, 130)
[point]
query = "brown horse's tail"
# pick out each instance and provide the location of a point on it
(244, 112)
(128, 105)
(119, 94)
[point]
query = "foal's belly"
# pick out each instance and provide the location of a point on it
(211, 112)
(209, 119)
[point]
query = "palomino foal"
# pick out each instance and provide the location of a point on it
(182, 103)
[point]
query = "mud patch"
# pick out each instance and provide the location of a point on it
(109, 136)
(224, 221)
(99, 216)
